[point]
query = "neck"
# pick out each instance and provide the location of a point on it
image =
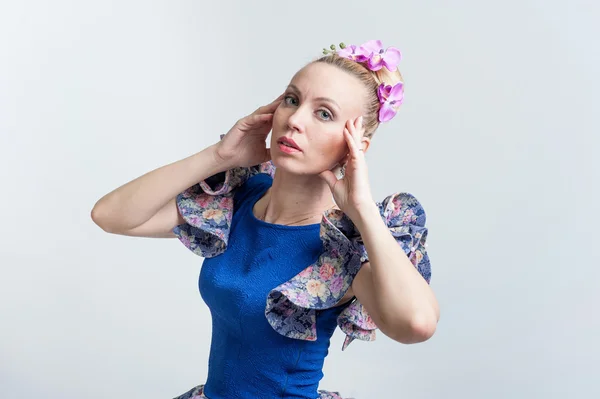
(293, 197)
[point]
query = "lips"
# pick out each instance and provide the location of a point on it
(289, 142)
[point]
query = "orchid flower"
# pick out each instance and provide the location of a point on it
(377, 57)
(391, 98)
(351, 53)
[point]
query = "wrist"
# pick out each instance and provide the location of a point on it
(220, 163)
(364, 215)
(207, 163)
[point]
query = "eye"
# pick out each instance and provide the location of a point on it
(325, 115)
(289, 100)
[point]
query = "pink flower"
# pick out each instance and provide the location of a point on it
(326, 271)
(352, 53)
(203, 200)
(395, 212)
(373, 53)
(390, 97)
(306, 272)
(226, 202)
(378, 58)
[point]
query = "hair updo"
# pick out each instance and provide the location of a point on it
(371, 80)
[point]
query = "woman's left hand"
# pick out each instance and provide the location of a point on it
(352, 193)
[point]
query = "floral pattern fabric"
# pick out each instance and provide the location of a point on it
(208, 207)
(198, 393)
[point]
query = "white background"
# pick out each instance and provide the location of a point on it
(498, 138)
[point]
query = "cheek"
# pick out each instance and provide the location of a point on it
(332, 147)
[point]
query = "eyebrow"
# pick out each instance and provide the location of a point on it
(327, 99)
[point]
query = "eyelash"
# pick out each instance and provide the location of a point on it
(320, 110)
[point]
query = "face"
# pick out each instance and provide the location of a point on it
(316, 105)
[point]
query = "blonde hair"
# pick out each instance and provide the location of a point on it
(371, 81)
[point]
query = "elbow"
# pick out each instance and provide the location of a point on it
(422, 329)
(419, 328)
(423, 325)
(99, 216)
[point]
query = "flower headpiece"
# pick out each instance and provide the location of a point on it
(373, 56)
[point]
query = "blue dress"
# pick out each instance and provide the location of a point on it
(274, 291)
(248, 359)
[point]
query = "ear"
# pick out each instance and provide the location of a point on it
(365, 143)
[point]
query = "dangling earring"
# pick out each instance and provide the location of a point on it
(342, 171)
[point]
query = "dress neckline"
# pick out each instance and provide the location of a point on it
(260, 222)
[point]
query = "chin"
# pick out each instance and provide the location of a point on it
(295, 167)
(288, 165)
(285, 163)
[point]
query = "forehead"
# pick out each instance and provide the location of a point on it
(323, 80)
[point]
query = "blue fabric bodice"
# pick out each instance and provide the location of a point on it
(248, 358)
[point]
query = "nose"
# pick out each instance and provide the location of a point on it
(296, 120)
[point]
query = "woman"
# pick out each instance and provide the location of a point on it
(292, 251)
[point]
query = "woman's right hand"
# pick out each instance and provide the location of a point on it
(245, 143)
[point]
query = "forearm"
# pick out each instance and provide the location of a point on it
(403, 301)
(137, 201)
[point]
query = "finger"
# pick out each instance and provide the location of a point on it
(350, 123)
(275, 103)
(329, 177)
(358, 123)
(358, 130)
(255, 120)
(351, 143)
(266, 109)
(269, 108)
(354, 128)
(263, 118)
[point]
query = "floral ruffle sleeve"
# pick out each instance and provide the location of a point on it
(291, 307)
(207, 208)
